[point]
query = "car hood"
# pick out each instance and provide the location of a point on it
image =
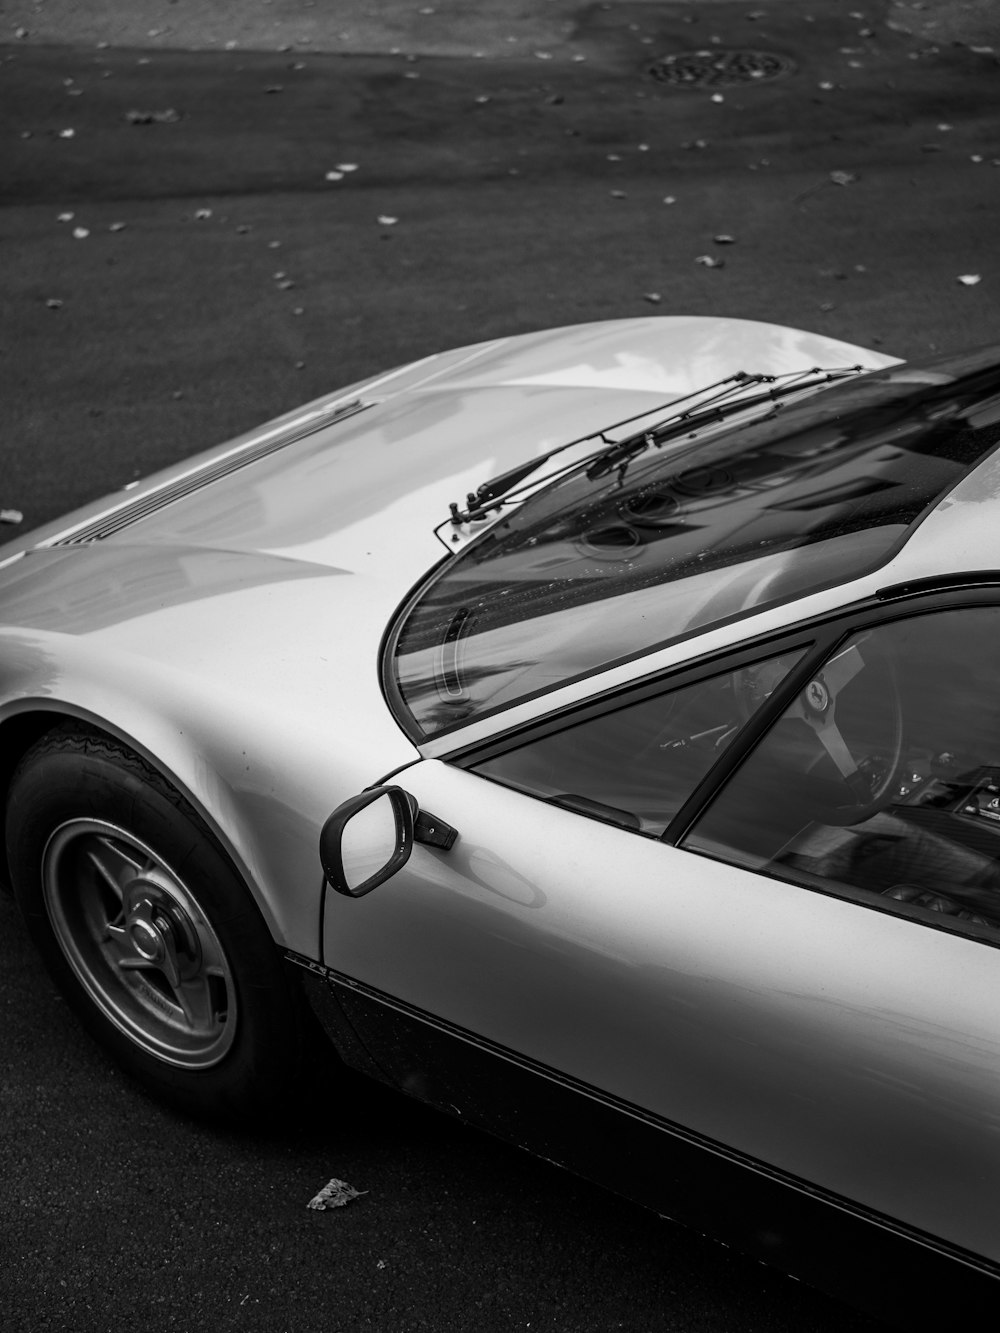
(336, 504)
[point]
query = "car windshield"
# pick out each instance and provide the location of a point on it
(573, 580)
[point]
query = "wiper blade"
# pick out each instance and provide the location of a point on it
(483, 499)
(611, 455)
(618, 456)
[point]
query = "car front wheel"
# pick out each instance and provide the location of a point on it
(148, 930)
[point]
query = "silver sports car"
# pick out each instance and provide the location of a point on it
(597, 732)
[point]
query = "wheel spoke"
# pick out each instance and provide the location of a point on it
(140, 942)
(195, 998)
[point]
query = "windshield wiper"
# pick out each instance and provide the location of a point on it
(724, 401)
(618, 456)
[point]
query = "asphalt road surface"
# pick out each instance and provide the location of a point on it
(180, 264)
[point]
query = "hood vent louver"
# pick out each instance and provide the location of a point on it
(127, 512)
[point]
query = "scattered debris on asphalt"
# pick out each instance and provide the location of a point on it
(834, 178)
(724, 239)
(81, 233)
(970, 279)
(384, 220)
(11, 516)
(654, 298)
(53, 303)
(334, 1194)
(167, 117)
(709, 261)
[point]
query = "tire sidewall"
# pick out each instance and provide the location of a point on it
(72, 777)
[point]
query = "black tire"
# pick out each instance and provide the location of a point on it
(150, 933)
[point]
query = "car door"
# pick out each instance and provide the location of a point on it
(712, 903)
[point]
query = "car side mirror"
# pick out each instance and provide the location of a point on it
(367, 839)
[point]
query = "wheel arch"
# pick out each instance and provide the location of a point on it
(22, 728)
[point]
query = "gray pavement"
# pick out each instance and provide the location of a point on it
(500, 29)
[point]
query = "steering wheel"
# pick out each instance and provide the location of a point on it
(866, 780)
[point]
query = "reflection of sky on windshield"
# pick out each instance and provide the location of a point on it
(592, 568)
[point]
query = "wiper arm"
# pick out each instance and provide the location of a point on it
(499, 490)
(618, 456)
(484, 498)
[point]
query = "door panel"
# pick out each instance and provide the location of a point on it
(852, 1048)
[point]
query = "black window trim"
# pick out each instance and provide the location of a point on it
(818, 637)
(836, 630)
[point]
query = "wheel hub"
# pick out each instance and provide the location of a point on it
(139, 942)
(146, 939)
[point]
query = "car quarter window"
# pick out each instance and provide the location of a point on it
(636, 765)
(882, 778)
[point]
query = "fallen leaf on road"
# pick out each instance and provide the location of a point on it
(385, 221)
(53, 303)
(80, 233)
(970, 279)
(202, 213)
(709, 261)
(654, 298)
(334, 176)
(843, 177)
(347, 166)
(11, 516)
(67, 134)
(169, 116)
(724, 239)
(66, 217)
(334, 1194)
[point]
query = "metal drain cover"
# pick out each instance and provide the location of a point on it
(699, 69)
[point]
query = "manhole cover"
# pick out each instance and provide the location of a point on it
(697, 69)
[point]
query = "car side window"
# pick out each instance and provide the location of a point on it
(882, 778)
(637, 765)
